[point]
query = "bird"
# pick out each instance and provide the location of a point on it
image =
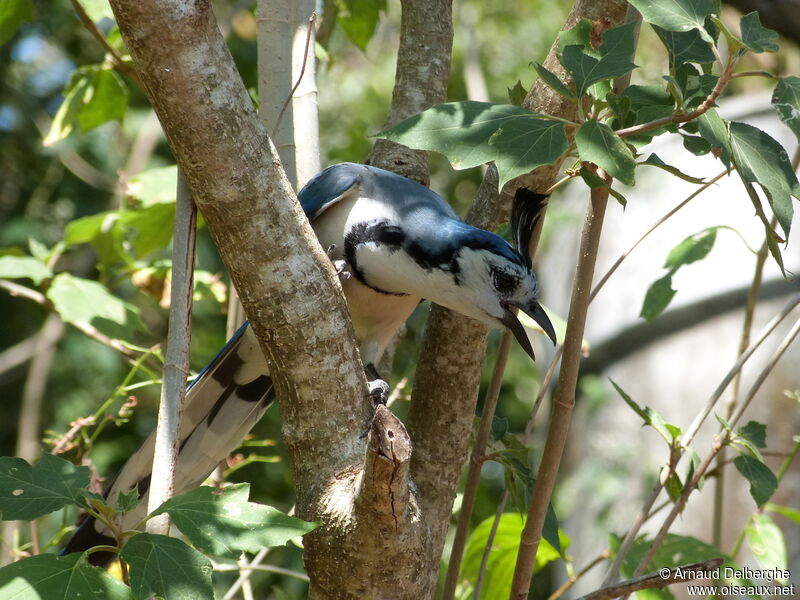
(394, 243)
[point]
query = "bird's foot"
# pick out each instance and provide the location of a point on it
(339, 265)
(378, 391)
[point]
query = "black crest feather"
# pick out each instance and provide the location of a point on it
(526, 211)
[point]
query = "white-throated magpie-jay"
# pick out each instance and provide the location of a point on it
(400, 243)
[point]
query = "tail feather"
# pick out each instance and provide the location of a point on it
(222, 404)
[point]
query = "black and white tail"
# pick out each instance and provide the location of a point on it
(222, 404)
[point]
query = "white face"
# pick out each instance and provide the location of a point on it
(490, 285)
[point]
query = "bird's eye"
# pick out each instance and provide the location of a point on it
(504, 282)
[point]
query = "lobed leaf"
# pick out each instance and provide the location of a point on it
(474, 133)
(31, 491)
(685, 46)
(786, 100)
(597, 143)
(552, 81)
(755, 36)
(51, 577)
(762, 160)
(517, 94)
(763, 482)
(223, 523)
(166, 567)
(84, 302)
(677, 15)
(616, 53)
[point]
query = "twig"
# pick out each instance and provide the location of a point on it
(96, 34)
(176, 365)
(700, 570)
(723, 81)
(701, 470)
(655, 226)
(487, 550)
(22, 291)
(251, 566)
(476, 462)
(630, 536)
(311, 20)
(730, 401)
(244, 575)
(564, 398)
(604, 555)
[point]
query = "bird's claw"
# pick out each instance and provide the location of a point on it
(341, 269)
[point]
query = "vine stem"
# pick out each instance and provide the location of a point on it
(96, 34)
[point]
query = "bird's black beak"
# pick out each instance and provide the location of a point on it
(535, 312)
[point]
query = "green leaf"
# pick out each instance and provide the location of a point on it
(474, 133)
(359, 19)
(552, 81)
(594, 181)
(763, 482)
(693, 248)
(762, 160)
(105, 100)
(168, 568)
(755, 433)
(685, 46)
(127, 501)
(30, 491)
(789, 513)
(502, 558)
(766, 543)
(654, 161)
(786, 100)
(24, 267)
(616, 53)
(84, 302)
(598, 144)
(657, 298)
(51, 577)
(94, 95)
(714, 129)
(674, 487)
(13, 13)
(696, 145)
(755, 36)
(153, 186)
(97, 9)
(150, 228)
(677, 15)
(579, 34)
(223, 523)
(669, 432)
(517, 94)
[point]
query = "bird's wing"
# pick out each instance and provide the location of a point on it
(330, 186)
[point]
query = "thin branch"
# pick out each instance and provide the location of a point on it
(641, 517)
(310, 29)
(675, 119)
(176, 365)
(222, 568)
(487, 550)
(663, 578)
(564, 399)
(655, 226)
(567, 585)
(25, 350)
(701, 470)
(476, 462)
(96, 34)
(245, 573)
